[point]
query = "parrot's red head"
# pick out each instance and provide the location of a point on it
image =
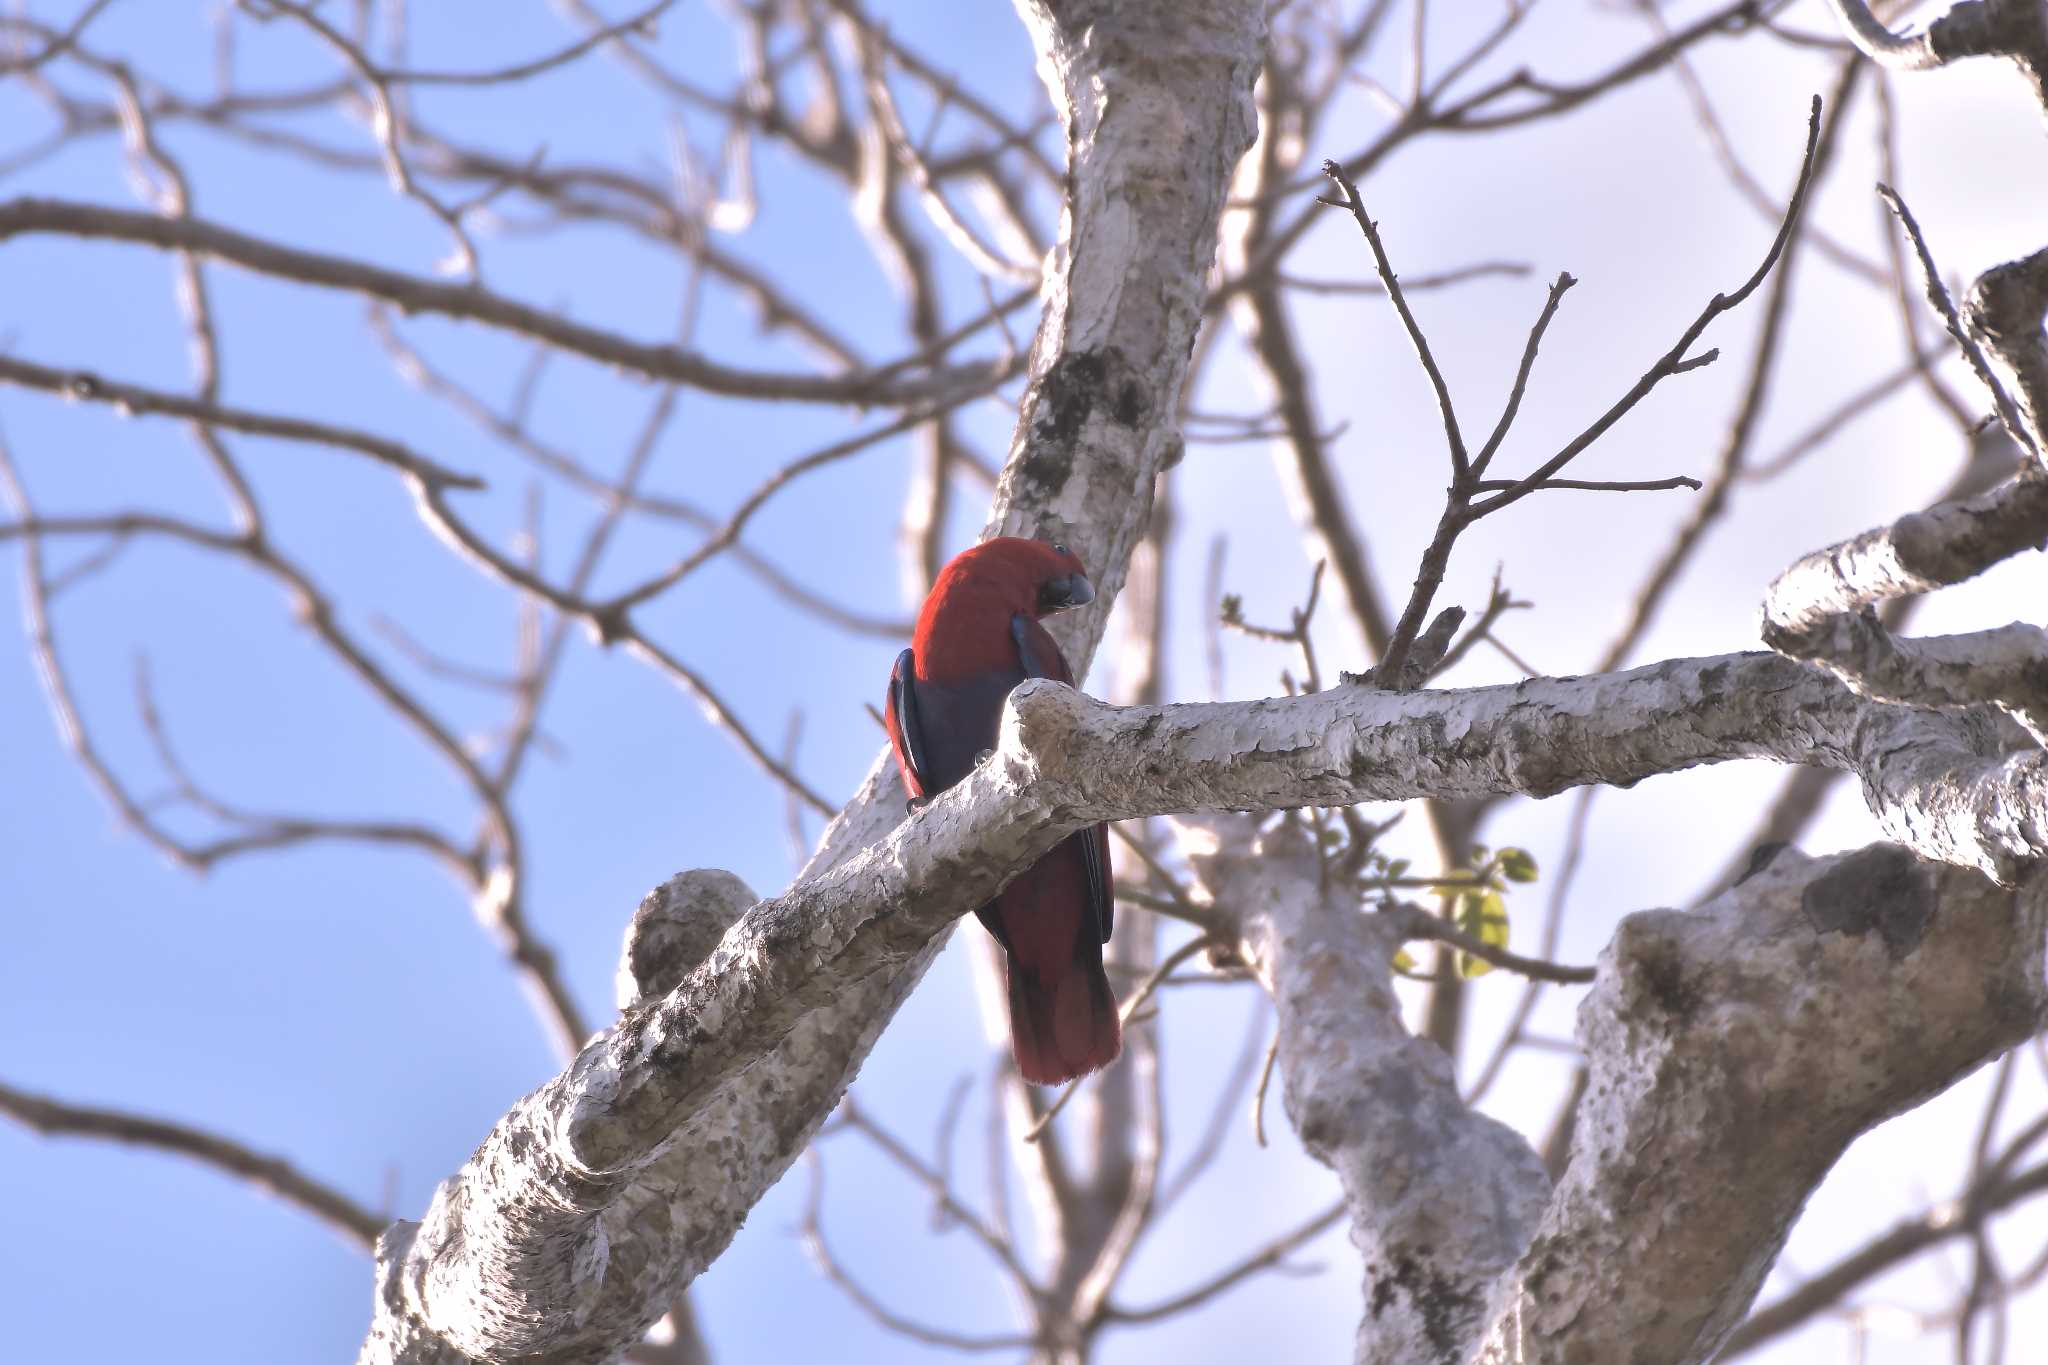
(964, 626)
(1035, 576)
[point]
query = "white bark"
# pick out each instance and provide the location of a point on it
(1946, 544)
(2017, 29)
(630, 1170)
(1942, 784)
(1735, 1051)
(1819, 609)
(1442, 1199)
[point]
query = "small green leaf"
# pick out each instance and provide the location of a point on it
(1517, 866)
(1406, 965)
(1484, 915)
(1397, 868)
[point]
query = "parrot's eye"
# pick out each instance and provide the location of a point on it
(1059, 547)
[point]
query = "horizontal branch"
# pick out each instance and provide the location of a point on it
(1819, 609)
(1271, 1256)
(468, 302)
(2005, 667)
(1596, 485)
(1942, 784)
(578, 1155)
(1946, 544)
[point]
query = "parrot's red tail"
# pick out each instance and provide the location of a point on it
(1066, 1027)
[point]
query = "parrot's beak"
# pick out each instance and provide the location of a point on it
(1068, 590)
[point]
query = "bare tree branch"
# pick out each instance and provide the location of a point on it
(54, 1118)
(413, 294)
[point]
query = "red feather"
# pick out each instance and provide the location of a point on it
(977, 637)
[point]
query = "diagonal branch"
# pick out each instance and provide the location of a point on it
(54, 1118)
(1460, 460)
(1747, 1044)
(1677, 359)
(1827, 1289)
(136, 400)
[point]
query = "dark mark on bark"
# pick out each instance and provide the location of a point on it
(1130, 404)
(1661, 971)
(1883, 888)
(1078, 386)
(1441, 1305)
(1048, 466)
(1067, 395)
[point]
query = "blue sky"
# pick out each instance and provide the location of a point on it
(344, 1008)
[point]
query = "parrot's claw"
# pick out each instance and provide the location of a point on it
(916, 804)
(984, 756)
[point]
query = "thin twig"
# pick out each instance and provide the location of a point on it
(1199, 943)
(1460, 461)
(57, 45)
(1268, 1257)
(1259, 1095)
(132, 400)
(53, 1118)
(1513, 406)
(1671, 361)
(996, 1243)
(1824, 1291)
(1229, 1095)
(468, 302)
(1937, 294)
(1600, 485)
(813, 1233)
(1415, 922)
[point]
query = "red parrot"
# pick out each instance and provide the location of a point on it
(977, 637)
